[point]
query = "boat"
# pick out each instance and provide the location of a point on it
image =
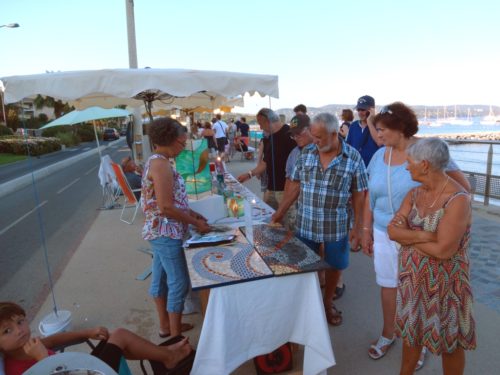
(491, 119)
(460, 121)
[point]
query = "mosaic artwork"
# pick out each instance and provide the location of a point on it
(283, 252)
(215, 266)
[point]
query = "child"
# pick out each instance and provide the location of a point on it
(20, 351)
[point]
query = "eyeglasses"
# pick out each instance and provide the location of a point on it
(385, 110)
(295, 136)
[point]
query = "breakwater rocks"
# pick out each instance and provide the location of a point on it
(490, 136)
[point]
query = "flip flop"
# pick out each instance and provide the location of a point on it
(333, 316)
(339, 292)
(184, 327)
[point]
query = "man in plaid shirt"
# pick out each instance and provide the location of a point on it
(326, 174)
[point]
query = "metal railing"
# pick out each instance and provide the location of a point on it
(484, 184)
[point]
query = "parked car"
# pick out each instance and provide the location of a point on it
(110, 134)
(123, 131)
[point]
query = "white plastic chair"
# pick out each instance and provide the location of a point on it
(61, 362)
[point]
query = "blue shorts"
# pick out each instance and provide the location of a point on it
(170, 277)
(336, 252)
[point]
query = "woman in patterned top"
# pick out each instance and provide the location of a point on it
(434, 300)
(165, 205)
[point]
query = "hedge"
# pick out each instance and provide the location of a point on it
(37, 146)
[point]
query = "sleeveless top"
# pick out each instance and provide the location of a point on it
(434, 297)
(155, 224)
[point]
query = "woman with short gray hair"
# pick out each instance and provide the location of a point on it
(434, 295)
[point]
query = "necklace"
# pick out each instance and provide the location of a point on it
(441, 192)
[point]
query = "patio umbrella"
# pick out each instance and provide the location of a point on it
(89, 114)
(134, 87)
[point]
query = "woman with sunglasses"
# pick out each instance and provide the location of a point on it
(389, 182)
(165, 204)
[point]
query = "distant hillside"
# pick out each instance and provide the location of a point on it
(476, 110)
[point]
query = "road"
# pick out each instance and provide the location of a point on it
(69, 201)
(17, 169)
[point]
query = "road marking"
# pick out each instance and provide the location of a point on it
(21, 218)
(90, 170)
(68, 185)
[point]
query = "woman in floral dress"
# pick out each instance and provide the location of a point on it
(165, 204)
(434, 300)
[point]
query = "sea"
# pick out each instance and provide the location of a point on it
(471, 157)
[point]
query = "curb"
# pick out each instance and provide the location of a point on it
(23, 181)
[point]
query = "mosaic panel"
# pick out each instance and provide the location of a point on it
(283, 252)
(222, 265)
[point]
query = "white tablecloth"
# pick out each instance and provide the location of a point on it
(249, 319)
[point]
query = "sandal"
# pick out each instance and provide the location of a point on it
(421, 359)
(333, 316)
(339, 292)
(184, 327)
(381, 347)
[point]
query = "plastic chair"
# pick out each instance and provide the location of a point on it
(61, 362)
(130, 199)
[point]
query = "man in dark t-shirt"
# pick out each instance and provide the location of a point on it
(277, 147)
(244, 127)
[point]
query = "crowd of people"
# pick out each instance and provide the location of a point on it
(373, 186)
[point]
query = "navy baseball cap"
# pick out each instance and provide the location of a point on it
(365, 102)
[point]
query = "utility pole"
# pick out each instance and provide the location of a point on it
(137, 147)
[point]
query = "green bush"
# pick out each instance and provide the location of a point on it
(68, 139)
(4, 130)
(37, 146)
(86, 133)
(51, 132)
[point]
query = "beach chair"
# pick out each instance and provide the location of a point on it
(130, 199)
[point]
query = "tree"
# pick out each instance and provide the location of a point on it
(47, 101)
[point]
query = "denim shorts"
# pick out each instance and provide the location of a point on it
(336, 252)
(170, 276)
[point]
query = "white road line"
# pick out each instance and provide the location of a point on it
(21, 218)
(90, 170)
(68, 185)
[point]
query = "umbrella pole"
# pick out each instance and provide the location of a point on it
(97, 140)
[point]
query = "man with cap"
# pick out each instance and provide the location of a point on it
(362, 134)
(277, 147)
(299, 131)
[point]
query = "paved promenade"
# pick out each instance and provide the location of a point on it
(99, 286)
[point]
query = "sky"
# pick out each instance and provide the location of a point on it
(426, 52)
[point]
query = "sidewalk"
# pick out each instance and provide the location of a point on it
(99, 287)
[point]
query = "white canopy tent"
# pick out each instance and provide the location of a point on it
(135, 87)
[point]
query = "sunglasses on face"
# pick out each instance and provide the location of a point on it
(361, 110)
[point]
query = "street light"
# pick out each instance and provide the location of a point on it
(11, 25)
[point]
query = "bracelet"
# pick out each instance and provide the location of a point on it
(366, 228)
(250, 173)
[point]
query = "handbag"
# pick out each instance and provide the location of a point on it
(389, 190)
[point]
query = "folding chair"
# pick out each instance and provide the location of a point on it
(130, 199)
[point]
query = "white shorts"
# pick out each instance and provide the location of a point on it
(385, 259)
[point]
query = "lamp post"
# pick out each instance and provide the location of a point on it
(10, 25)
